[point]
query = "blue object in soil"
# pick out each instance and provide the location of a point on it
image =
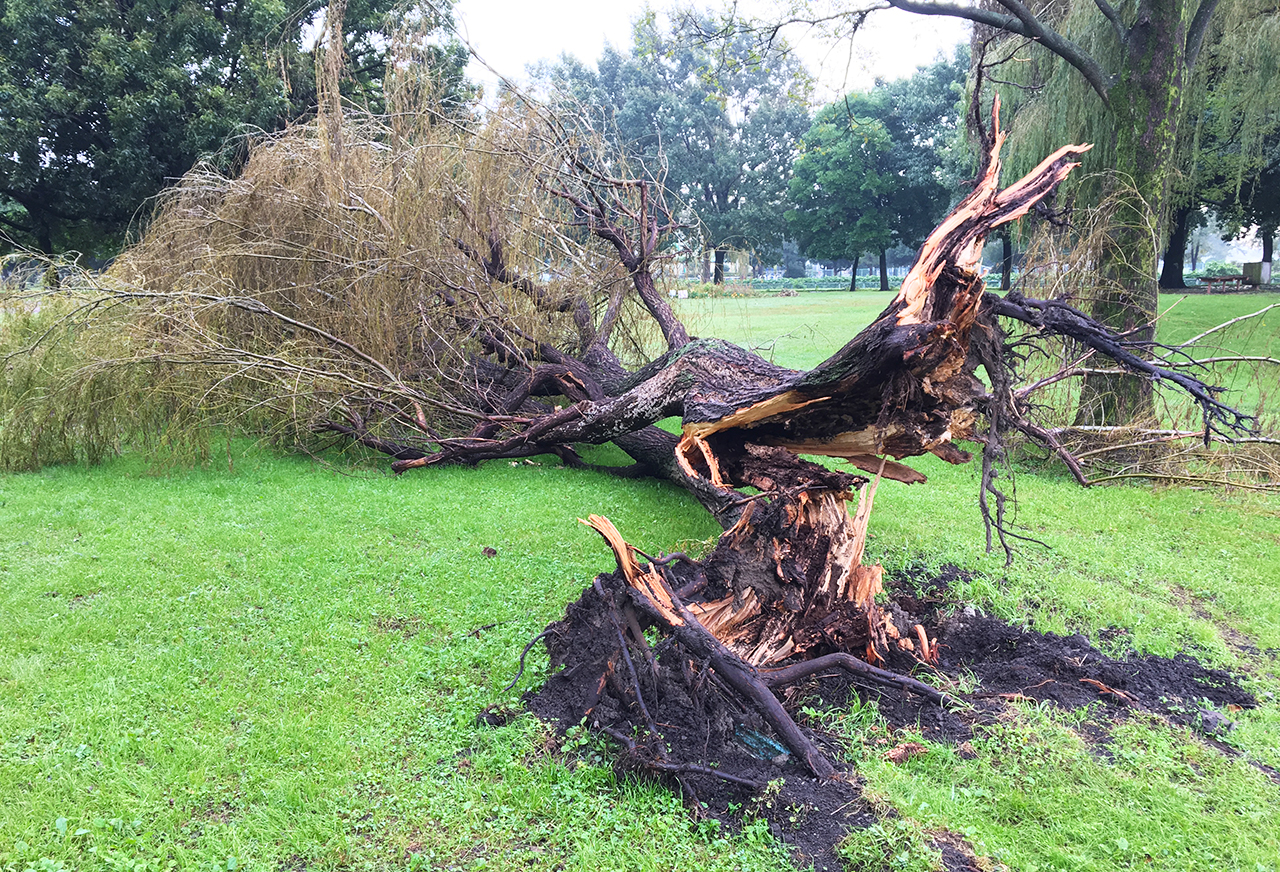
(758, 745)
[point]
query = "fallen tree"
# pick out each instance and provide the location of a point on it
(321, 293)
(785, 592)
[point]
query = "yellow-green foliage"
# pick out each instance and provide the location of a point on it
(61, 399)
(338, 276)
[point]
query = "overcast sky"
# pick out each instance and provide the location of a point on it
(510, 34)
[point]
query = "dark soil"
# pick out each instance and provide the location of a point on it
(707, 728)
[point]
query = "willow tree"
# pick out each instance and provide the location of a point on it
(1114, 75)
(1174, 94)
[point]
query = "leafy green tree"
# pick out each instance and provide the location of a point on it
(721, 126)
(103, 101)
(871, 172)
(843, 199)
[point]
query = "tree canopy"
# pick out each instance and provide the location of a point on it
(720, 127)
(102, 102)
(871, 170)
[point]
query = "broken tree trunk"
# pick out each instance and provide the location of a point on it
(786, 582)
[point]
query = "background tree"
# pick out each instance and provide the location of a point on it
(842, 198)
(719, 127)
(1132, 80)
(871, 172)
(102, 102)
(1230, 140)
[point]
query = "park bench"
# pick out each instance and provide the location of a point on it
(1220, 282)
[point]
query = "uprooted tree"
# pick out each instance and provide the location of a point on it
(450, 295)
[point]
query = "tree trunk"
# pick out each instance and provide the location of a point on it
(1145, 102)
(1268, 234)
(1006, 260)
(718, 277)
(1175, 251)
(706, 266)
(884, 270)
(853, 274)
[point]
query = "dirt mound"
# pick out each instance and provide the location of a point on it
(722, 756)
(1011, 663)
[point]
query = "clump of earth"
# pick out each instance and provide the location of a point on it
(708, 730)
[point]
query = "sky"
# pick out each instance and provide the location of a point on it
(510, 34)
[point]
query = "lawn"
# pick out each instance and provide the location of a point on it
(277, 664)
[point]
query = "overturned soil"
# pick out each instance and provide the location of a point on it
(721, 755)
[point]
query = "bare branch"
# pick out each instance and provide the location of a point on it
(1023, 22)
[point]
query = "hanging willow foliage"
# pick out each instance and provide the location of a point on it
(354, 283)
(1227, 124)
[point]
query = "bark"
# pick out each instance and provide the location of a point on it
(1176, 251)
(884, 271)
(1006, 261)
(1146, 104)
(1268, 234)
(718, 275)
(853, 274)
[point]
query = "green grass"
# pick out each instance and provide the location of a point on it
(280, 665)
(799, 331)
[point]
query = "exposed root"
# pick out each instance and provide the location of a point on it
(698, 635)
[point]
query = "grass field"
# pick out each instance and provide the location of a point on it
(278, 666)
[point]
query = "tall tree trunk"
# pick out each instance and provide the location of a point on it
(706, 266)
(1175, 253)
(1268, 234)
(884, 270)
(718, 276)
(853, 273)
(1006, 260)
(43, 234)
(1145, 103)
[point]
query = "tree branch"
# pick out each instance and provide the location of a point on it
(1023, 22)
(1117, 24)
(1196, 31)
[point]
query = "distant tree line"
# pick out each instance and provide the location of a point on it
(727, 128)
(103, 105)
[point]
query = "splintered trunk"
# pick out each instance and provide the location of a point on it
(786, 586)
